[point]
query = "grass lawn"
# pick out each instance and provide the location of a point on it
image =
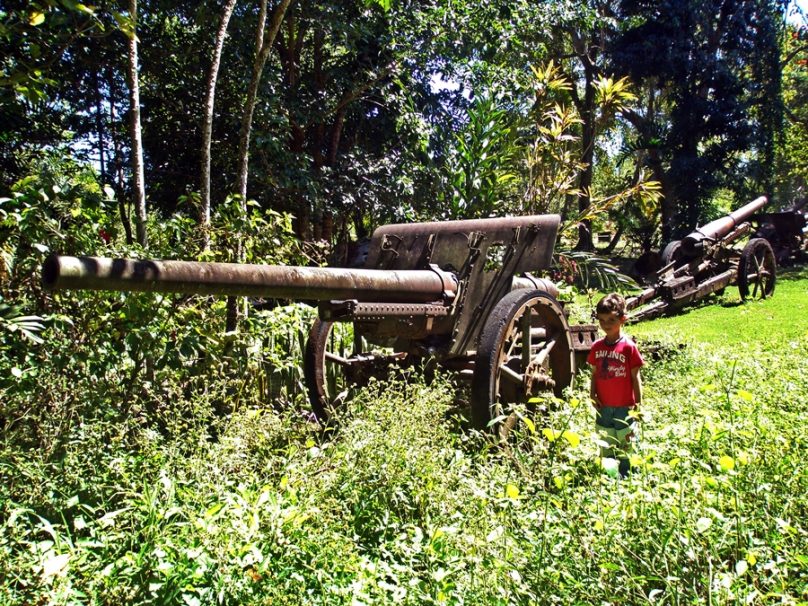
(730, 322)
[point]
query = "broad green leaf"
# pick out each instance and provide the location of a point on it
(745, 395)
(573, 438)
(440, 574)
(55, 565)
(727, 463)
(530, 424)
(495, 534)
(702, 524)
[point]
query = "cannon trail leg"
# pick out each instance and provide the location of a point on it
(525, 348)
(756, 270)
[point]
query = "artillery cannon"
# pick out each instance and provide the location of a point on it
(457, 292)
(705, 262)
(786, 231)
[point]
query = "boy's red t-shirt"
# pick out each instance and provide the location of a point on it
(612, 365)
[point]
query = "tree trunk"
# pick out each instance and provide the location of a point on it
(138, 179)
(264, 39)
(116, 166)
(585, 241)
(586, 109)
(99, 128)
(207, 123)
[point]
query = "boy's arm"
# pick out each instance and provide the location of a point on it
(593, 393)
(636, 385)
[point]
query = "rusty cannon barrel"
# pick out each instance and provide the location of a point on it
(234, 279)
(693, 244)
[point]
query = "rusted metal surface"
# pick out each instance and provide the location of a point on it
(448, 243)
(786, 231)
(524, 350)
(427, 291)
(303, 283)
(356, 311)
(694, 243)
(583, 336)
(705, 262)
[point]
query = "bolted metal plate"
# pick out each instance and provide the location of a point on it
(449, 244)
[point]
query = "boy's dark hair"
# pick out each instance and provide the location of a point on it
(612, 302)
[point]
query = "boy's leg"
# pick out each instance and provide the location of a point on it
(604, 426)
(626, 437)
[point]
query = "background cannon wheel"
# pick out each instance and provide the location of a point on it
(525, 349)
(328, 352)
(756, 270)
(336, 360)
(672, 253)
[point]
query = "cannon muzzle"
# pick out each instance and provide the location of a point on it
(234, 279)
(693, 244)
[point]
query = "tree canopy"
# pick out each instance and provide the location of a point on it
(372, 111)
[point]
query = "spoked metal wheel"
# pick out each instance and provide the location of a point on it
(756, 270)
(337, 360)
(525, 349)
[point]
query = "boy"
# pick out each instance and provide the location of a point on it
(616, 388)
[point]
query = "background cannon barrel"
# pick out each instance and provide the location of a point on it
(233, 279)
(714, 230)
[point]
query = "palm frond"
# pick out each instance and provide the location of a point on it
(596, 272)
(12, 320)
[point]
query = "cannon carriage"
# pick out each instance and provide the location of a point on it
(461, 294)
(786, 230)
(707, 261)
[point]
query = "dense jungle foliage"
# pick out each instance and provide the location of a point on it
(152, 452)
(350, 114)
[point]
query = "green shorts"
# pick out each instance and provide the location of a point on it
(617, 430)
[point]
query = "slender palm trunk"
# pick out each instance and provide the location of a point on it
(265, 37)
(138, 178)
(207, 126)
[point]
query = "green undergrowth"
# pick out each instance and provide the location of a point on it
(148, 457)
(400, 503)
